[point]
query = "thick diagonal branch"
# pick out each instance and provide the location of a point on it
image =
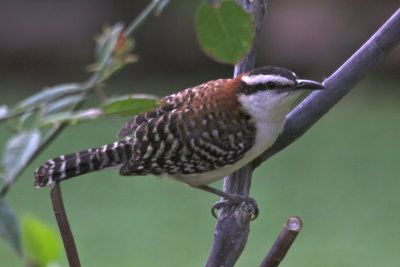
(338, 85)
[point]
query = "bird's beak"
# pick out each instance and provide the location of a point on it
(308, 85)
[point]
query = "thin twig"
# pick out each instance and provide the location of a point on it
(63, 225)
(143, 16)
(283, 242)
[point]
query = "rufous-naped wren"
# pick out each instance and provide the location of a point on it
(196, 136)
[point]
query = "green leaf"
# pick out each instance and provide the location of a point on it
(18, 151)
(42, 243)
(49, 94)
(130, 105)
(3, 111)
(225, 32)
(71, 117)
(9, 226)
(61, 104)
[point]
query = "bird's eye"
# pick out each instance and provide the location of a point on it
(270, 85)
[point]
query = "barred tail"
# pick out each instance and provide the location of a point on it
(71, 165)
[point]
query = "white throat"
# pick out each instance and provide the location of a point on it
(268, 109)
(268, 106)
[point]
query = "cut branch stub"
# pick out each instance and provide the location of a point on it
(283, 242)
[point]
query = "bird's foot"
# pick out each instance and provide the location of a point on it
(247, 204)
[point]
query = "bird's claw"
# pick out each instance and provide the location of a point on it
(236, 200)
(219, 205)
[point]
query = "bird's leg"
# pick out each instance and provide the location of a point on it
(230, 199)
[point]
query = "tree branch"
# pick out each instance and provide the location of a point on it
(232, 228)
(283, 242)
(230, 234)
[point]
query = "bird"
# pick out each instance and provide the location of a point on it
(196, 136)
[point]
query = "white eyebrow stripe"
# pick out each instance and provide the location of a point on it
(262, 78)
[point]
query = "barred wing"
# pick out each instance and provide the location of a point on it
(169, 103)
(184, 142)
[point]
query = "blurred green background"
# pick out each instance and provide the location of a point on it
(341, 178)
